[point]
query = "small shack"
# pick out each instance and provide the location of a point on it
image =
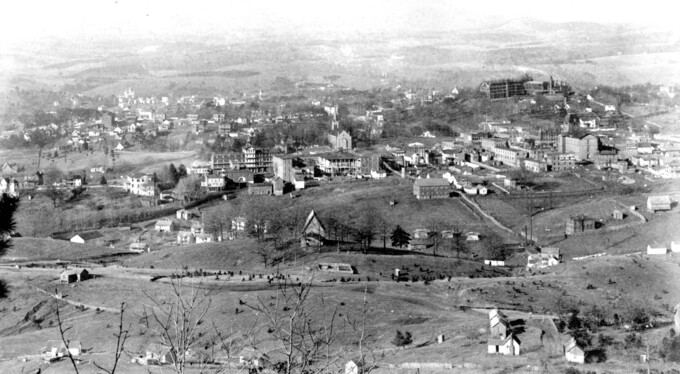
(574, 353)
(86, 237)
(617, 214)
(656, 251)
(74, 275)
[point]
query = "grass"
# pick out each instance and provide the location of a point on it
(43, 249)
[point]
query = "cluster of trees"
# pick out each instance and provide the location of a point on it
(169, 176)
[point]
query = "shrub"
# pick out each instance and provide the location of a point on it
(402, 339)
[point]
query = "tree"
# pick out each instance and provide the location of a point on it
(181, 171)
(265, 251)
(189, 188)
(54, 194)
(173, 174)
(178, 319)
(457, 244)
(102, 181)
(305, 329)
(8, 207)
(400, 237)
(402, 339)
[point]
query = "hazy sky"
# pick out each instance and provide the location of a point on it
(26, 20)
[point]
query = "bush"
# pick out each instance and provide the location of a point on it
(402, 339)
(633, 340)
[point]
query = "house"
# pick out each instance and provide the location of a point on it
(239, 223)
(657, 251)
(9, 186)
(183, 214)
(185, 237)
(57, 348)
(617, 214)
(119, 147)
(260, 189)
(313, 231)
(74, 275)
(494, 315)
(140, 184)
(553, 252)
(657, 203)
(499, 328)
(573, 352)
(508, 346)
(431, 188)
(139, 247)
(578, 224)
(85, 237)
(540, 261)
(9, 168)
(214, 183)
(157, 354)
(203, 238)
(164, 225)
(196, 228)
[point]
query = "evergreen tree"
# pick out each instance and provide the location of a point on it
(8, 206)
(173, 173)
(181, 171)
(102, 181)
(400, 237)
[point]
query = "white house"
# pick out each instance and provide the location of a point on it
(139, 247)
(140, 184)
(509, 346)
(119, 147)
(85, 237)
(164, 225)
(574, 353)
(203, 238)
(185, 237)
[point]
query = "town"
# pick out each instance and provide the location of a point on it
(520, 222)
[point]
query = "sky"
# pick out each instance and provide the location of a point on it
(26, 20)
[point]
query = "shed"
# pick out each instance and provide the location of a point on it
(574, 353)
(86, 237)
(656, 251)
(472, 236)
(657, 203)
(74, 275)
(617, 214)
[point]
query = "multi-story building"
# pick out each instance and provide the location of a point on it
(560, 161)
(370, 164)
(282, 166)
(579, 224)
(584, 147)
(213, 182)
(490, 143)
(257, 159)
(431, 188)
(504, 88)
(535, 166)
(140, 184)
(339, 163)
(226, 161)
(510, 157)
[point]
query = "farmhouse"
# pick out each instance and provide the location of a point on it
(139, 247)
(57, 348)
(508, 346)
(579, 224)
(203, 238)
(431, 188)
(164, 225)
(85, 237)
(74, 275)
(657, 203)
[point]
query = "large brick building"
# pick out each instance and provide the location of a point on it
(431, 188)
(584, 147)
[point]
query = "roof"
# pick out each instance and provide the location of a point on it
(550, 251)
(74, 271)
(312, 216)
(163, 222)
(89, 235)
(138, 245)
(659, 200)
(510, 336)
(60, 344)
(432, 182)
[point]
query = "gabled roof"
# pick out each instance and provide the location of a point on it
(510, 336)
(89, 235)
(432, 182)
(311, 218)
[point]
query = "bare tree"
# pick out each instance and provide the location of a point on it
(367, 358)
(121, 337)
(306, 337)
(54, 194)
(179, 321)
